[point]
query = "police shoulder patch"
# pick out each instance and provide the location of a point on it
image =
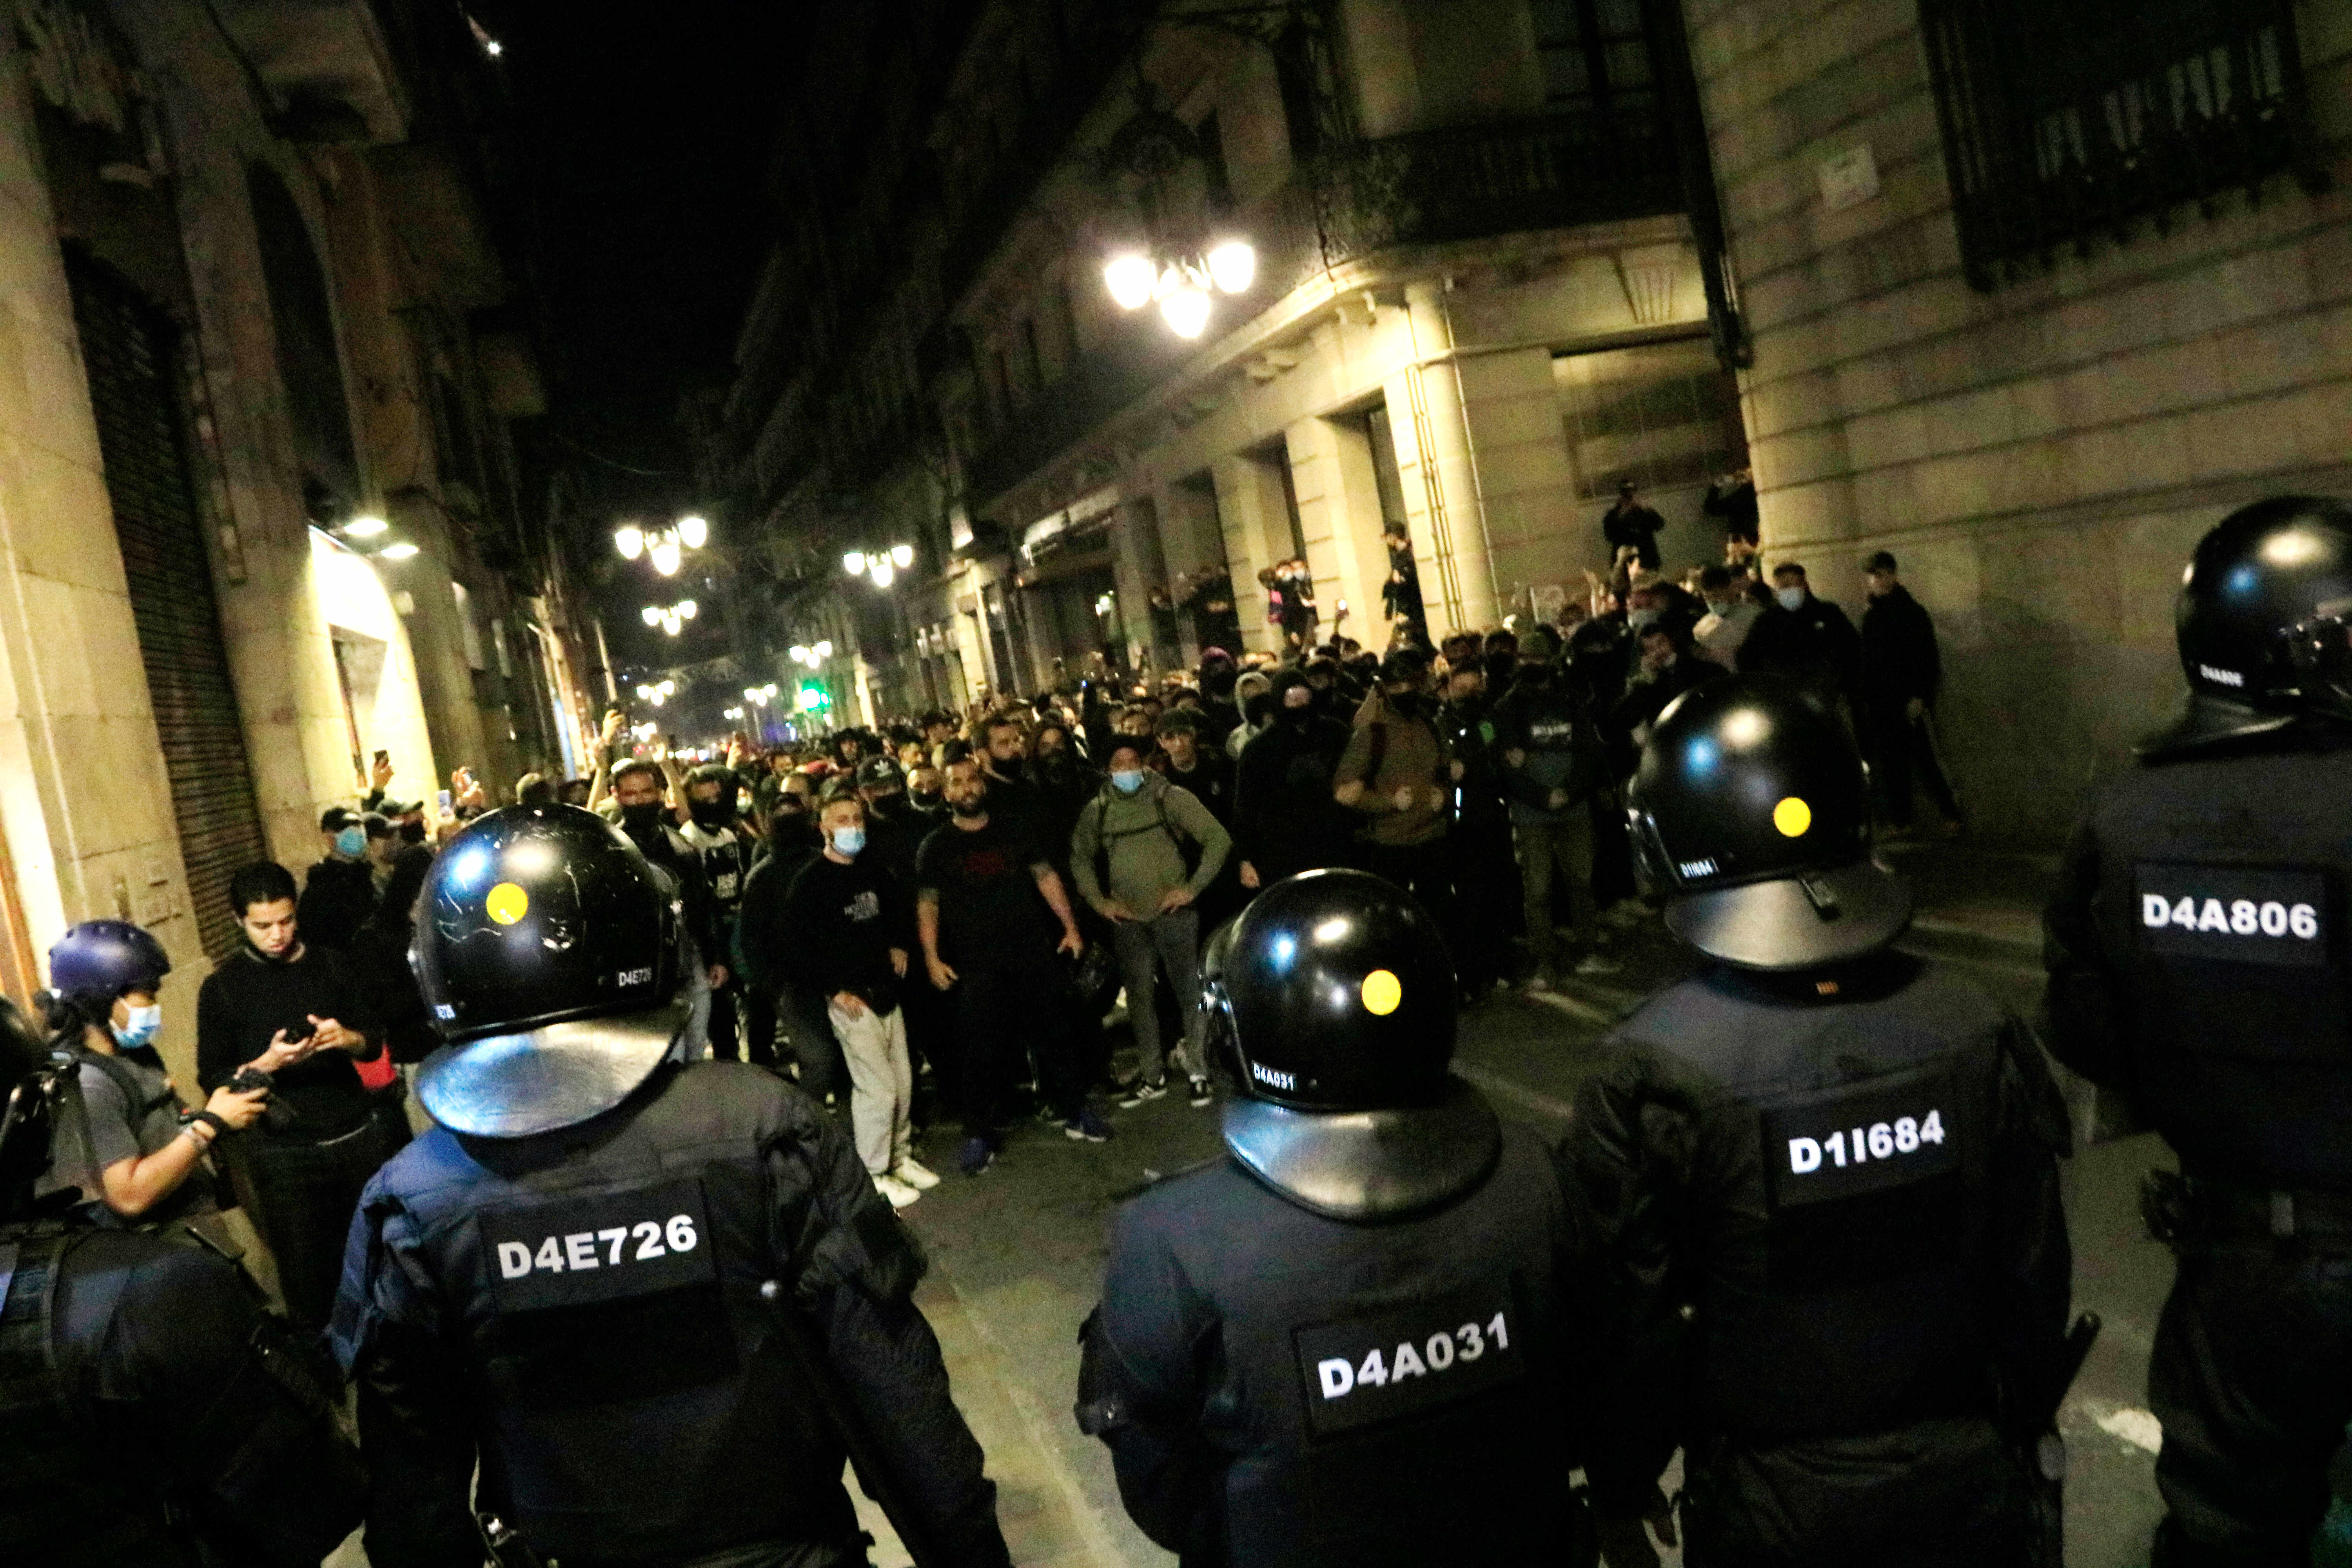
(1385, 1364)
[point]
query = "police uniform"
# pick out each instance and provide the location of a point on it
(1345, 1343)
(2198, 962)
(152, 1413)
(658, 1304)
(1824, 1178)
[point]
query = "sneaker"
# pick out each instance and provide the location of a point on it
(915, 1174)
(1141, 1091)
(899, 1193)
(1592, 964)
(978, 1154)
(1086, 1127)
(1202, 1095)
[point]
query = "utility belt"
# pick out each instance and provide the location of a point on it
(2192, 1211)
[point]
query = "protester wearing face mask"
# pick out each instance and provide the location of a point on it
(853, 928)
(135, 1155)
(639, 790)
(1284, 820)
(1806, 638)
(1143, 851)
(339, 893)
(763, 951)
(1730, 616)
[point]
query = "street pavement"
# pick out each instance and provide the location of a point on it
(1017, 1253)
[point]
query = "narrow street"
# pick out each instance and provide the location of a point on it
(1017, 1253)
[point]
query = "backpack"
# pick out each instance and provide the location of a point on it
(1186, 848)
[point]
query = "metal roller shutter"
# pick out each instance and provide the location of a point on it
(127, 350)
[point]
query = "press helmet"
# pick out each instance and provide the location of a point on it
(547, 951)
(96, 962)
(1337, 992)
(2262, 621)
(1750, 817)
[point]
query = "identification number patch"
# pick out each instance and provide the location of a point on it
(2240, 914)
(1862, 1139)
(575, 1250)
(1407, 1360)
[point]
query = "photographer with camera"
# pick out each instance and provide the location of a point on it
(133, 1154)
(284, 1017)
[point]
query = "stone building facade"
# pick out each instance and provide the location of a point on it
(2040, 435)
(252, 299)
(1480, 301)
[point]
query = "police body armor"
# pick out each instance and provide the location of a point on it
(1841, 1290)
(2220, 915)
(607, 1294)
(1387, 1390)
(97, 1467)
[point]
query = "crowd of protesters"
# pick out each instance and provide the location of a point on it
(944, 919)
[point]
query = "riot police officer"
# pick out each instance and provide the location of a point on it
(2197, 962)
(1825, 1176)
(157, 1415)
(1344, 1343)
(657, 1303)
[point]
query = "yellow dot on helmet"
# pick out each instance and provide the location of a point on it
(1793, 817)
(507, 903)
(1383, 991)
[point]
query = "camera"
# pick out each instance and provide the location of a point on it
(247, 1079)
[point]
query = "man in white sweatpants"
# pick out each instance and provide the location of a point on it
(852, 922)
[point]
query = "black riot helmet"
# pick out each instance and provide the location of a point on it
(1338, 993)
(30, 1075)
(1750, 816)
(2264, 622)
(547, 951)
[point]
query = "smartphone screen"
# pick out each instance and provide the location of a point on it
(444, 800)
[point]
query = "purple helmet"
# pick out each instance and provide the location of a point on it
(98, 960)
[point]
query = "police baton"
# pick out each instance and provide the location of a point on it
(875, 1471)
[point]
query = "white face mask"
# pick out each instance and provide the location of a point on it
(1791, 598)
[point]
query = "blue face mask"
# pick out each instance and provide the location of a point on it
(141, 1028)
(1791, 598)
(1127, 781)
(848, 841)
(351, 843)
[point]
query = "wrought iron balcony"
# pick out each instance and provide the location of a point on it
(1472, 181)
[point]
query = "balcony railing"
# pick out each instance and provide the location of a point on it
(1469, 182)
(1432, 187)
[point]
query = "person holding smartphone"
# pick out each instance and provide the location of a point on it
(293, 1017)
(136, 1155)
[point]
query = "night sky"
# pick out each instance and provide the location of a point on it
(650, 129)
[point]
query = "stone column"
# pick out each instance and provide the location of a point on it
(1339, 512)
(1257, 535)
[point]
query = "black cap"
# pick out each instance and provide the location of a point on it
(335, 818)
(1339, 992)
(2261, 622)
(881, 772)
(547, 953)
(1884, 561)
(1750, 813)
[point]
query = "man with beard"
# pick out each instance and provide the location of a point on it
(1004, 754)
(1284, 820)
(987, 941)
